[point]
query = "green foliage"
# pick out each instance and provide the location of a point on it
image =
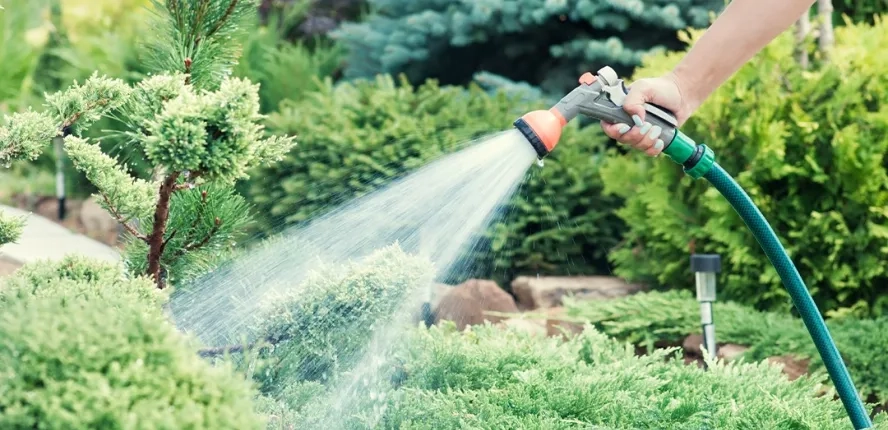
(492, 377)
(76, 276)
(194, 127)
(808, 146)
(646, 318)
(124, 368)
(10, 228)
(323, 326)
(199, 239)
(284, 69)
(542, 42)
(199, 38)
(358, 137)
(859, 10)
(23, 36)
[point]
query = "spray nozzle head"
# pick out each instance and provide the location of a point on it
(542, 128)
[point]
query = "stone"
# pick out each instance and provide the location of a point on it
(792, 367)
(558, 324)
(8, 267)
(530, 326)
(547, 292)
(730, 351)
(96, 221)
(693, 344)
(467, 303)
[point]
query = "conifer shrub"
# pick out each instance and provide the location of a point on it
(543, 42)
(492, 377)
(357, 137)
(646, 318)
(808, 146)
(77, 363)
(76, 276)
(322, 327)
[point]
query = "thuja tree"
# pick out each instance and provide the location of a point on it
(196, 126)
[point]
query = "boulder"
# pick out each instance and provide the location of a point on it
(693, 344)
(533, 327)
(97, 222)
(792, 366)
(547, 292)
(466, 303)
(557, 323)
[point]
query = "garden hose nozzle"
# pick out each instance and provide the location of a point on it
(601, 97)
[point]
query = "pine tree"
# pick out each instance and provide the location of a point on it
(192, 122)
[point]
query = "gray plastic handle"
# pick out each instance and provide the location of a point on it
(591, 101)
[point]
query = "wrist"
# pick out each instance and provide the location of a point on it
(691, 89)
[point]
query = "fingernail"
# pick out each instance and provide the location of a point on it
(624, 128)
(646, 127)
(659, 145)
(655, 132)
(637, 120)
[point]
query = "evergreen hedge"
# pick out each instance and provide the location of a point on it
(357, 137)
(808, 146)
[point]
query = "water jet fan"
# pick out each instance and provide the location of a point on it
(601, 97)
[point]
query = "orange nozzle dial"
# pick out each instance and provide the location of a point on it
(542, 128)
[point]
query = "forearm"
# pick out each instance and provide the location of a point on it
(740, 32)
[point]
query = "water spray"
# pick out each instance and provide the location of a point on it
(601, 97)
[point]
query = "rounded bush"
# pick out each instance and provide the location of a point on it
(77, 276)
(355, 138)
(78, 363)
(808, 146)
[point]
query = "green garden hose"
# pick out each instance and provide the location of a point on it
(601, 97)
(801, 298)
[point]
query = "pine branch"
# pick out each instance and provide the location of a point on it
(222, 20)
(120, 219)
(267, 342)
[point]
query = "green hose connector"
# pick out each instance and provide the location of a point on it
(699, 161)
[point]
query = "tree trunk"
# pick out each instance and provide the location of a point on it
(156, 241)
(827, 38)
(802, 28)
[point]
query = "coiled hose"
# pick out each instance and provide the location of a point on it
(801, 298)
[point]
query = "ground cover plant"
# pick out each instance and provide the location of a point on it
(492, 377)
(645, 319)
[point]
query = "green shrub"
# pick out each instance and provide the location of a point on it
(326, 323)
(493, 378)
(543, 42)
(646, 318)
(355, 138)
(808, 146)
(76, 276)
(76, 363)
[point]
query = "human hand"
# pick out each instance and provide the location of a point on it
(664, 91)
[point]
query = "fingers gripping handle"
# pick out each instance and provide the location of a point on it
(596, 99)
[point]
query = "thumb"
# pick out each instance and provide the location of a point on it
(640, 93)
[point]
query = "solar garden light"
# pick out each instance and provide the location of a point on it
(705, 267)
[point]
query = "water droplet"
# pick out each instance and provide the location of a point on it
(540, 162)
